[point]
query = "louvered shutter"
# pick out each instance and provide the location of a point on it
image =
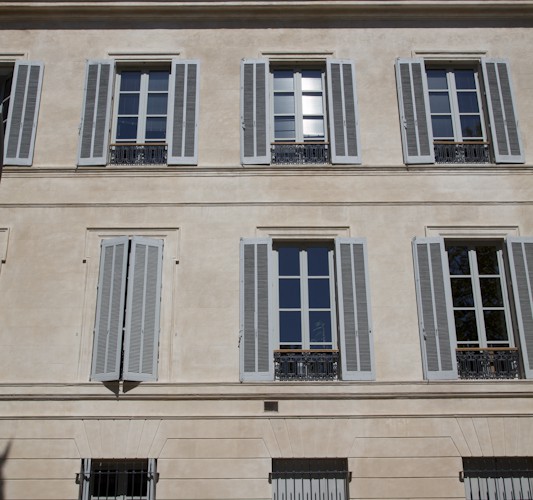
(255, 112)
(520, 251)
(107, 348)
(355, 322)
(183, 111)
(435, 313)
(506, 142)
(85, 479)
(23, 112)
(96, 113)
(141, 334)
(343, 112)
(415, 117)
(256, 325)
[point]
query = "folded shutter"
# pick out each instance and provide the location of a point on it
(183, 111)
(435, 313)
(141, 334)
(23, 111)
(502, 111)
(356, 342)
(256, 338)
(343, 112)
(255, 112)
(413, 100)
(107, 348)
(520, 252)
(96, 113)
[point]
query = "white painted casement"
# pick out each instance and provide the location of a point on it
(21, 119)
(259, 319)
(126, 334)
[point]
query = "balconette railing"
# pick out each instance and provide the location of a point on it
(303, 364)
(138, 154)
(299, 153)
(487, 363)
(461, 152)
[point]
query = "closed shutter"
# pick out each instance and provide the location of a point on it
(96, 113)
(435, 314)
(183, 111)
(255, 112)
(520, 252)
(343, 112)
(23, 112)
(107, 348)
(413, 100)
(256, 342)
(142, 310)
(356, 342)
(502, 112)
(304, 487)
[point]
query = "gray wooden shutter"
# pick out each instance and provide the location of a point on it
(343, 112)
(255, 112)
(96, 113)
(85, 479)
(141, 334)
(415, 117)
(435, 313)
(183, 111)
(520, 251)
(355, 322)
(256, 326)
(23, 112)
(107, 347)
(506, 142)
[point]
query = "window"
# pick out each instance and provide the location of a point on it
(305, 310)
(126, 332)
(310, 478)
(118, 479)
(498, 478)
(20, 93)
(466, 316)
(445, 116)
(299, 114)
(155, 115)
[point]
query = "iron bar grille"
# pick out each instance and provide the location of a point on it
(306, 365)
(299, 154)
(138, 154)
(487, 363)
(458, 152)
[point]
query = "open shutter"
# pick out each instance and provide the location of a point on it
(355, 328)
(96, 113)
(435, 314)
(520, 252)
(107, 348)
(141, 341)
(183, 110)
(343, 112)
(255, 337)
(413, 100)
(502, 111)
(85, 479)
(23, 112)
(255, 112)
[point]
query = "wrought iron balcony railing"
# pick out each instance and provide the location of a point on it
(303, 364)
(487, 363)
(138, 154)
(461, 152)
(299, 153)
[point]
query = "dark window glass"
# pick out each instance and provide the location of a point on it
(465, 326)
(289, 293)
(289, 261)
(458, 260)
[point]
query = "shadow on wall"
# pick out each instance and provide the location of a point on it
(3, 459)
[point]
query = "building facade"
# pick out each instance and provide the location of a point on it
(258, 250)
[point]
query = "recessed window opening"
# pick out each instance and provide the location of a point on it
(6, 80)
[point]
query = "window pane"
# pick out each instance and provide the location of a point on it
(158, 81)
(284, 103)
(128, 104)
(289, 293)
(313, 128)
(283, 80)
(495, 326)
(318, 261)
(487, 260)
(156, 128)
(462, 292)
(312, 105)
(157, 104)
(130, 80)
(319, 293)
(311, 80)
(127, 128)
(464, 79)
(439, 102)
(491, 292)
(284, 128)
(289, 261)
(290, 327)
(465, 326)
(467, 102)
(458, 260)
(437, 79)
(471, 126)
(320, 326)
(442, 127)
